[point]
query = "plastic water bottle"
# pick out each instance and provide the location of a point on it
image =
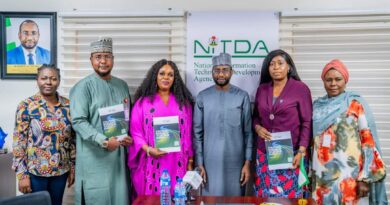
(165, 188)
(180, 192)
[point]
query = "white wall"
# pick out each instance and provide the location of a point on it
(13, 91)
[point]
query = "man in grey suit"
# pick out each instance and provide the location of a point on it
(223, 132)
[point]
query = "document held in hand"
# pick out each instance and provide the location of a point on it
(280, 152)
(167, 133)
(114, 121)
(193, 178)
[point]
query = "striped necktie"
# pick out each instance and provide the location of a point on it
(30, 59)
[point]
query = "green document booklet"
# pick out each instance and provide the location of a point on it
(280, 152)
(114, 121)
(167, 133)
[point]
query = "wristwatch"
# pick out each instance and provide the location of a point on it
(105, 144)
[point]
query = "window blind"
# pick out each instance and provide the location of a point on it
(138, 42)
(361, 41)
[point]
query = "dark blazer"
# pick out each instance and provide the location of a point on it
(292, 111)
(16, 56)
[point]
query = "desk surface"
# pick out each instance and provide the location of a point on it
(212, 200)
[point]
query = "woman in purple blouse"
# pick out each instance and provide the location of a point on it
(283, 103)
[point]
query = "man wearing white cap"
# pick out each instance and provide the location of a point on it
(223, 133)
(100, 161)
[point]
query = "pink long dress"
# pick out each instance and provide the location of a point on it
(146, 171)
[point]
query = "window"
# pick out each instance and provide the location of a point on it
(139, 42)
(361, 41)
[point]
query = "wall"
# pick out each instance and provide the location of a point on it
(13, 91)
(131, 5)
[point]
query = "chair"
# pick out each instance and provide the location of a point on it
(41, 198)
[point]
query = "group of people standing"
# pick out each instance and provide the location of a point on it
(336, 135)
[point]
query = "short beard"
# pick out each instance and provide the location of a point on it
(103, 74)
(29, 47)
(221, 84)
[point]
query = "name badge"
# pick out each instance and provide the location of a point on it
(326, 140)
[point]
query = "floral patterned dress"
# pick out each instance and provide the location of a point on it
(277, 183)
(351, 156)
(43, 141)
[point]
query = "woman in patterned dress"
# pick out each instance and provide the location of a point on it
(347, 161)
(44, 145)
(161, 94)
(283, 103)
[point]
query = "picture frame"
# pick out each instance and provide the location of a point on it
(28, 40)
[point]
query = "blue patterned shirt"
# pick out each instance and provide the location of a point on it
(44, 143)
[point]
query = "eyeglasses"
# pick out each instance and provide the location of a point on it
(105, 57)
(224, 71)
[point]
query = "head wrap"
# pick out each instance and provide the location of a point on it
(222, 59)
(103, 45)
(337, 65)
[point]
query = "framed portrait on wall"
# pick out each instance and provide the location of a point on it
(29, 39)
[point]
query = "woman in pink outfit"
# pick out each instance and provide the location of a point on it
(161, 94)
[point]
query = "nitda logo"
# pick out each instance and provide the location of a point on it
(238, 48)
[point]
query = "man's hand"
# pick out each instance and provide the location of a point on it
(71, 178)
(245, 173)
(203, 173)
(25, 185)
(126, 141)
(190, 165)
(112, 144)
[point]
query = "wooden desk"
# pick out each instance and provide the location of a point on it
(211, 200)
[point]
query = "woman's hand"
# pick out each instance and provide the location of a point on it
(25, 185)
(297, 158)
(126, 141)
(362, 189)
(262, 132)
(156, 153)
(71, 178)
